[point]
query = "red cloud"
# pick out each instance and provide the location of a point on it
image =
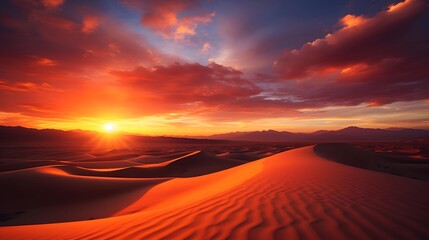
(24, 86)
(52, 67)
(163, 17)
(52, 3)
(71, 73)
(186, 84)
(90, 23)
(38, 38)
(376, 60)
(214, 92)
(45, 62)
(50, 63)
(362, 41)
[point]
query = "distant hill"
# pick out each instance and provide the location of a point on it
(346, 134)
(13, 134)
(17, 134)
(349, 134)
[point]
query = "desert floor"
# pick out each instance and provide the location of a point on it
(233, 191)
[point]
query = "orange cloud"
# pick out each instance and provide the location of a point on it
(163, 17)
(52, 3)
(187, 84)
(187, 26)
(352, 20)
(46, 62)
(90, 23)
(206, 47)
(399, 5)
(24, 86)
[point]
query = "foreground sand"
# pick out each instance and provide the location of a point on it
(294, 195)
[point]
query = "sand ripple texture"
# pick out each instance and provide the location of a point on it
(290, 195)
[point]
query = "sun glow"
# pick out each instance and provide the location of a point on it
(109, 127)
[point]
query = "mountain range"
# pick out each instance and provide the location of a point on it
(18, 134)
(349, 134)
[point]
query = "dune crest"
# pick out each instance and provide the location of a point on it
(194, 164)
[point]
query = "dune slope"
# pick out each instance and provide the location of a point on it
(47, 194)
(348, 154)
(194, 164)
(290, 195)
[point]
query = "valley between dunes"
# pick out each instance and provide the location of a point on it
(294, 194)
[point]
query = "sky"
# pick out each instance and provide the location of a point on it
(200, 67)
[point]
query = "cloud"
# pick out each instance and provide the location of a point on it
(168, 18)
(25, 86)
(186, 85)
(77, 61)
(351, 20)
(46, 62)
(48, 59)
(213, 92)
(59, 39)
(52, 3)
(206, 48)
(364, 41)
(90, 23)
(377, 60)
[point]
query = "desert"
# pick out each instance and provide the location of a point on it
(214, 119)
(200, 191)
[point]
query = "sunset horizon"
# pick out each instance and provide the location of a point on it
(192, 68)
(107, 128)
(214, 119)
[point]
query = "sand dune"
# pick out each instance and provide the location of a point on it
(47, 194)
(159, 158)
(176, 164)
(239, 156)
(109, 158)
(194, 164)
(26, 164)
(290, 195)
(348, 154)
(249, 154)
(103, 164)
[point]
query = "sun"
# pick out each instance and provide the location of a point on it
(109, 127)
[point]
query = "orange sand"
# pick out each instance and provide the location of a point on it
(290, 195)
